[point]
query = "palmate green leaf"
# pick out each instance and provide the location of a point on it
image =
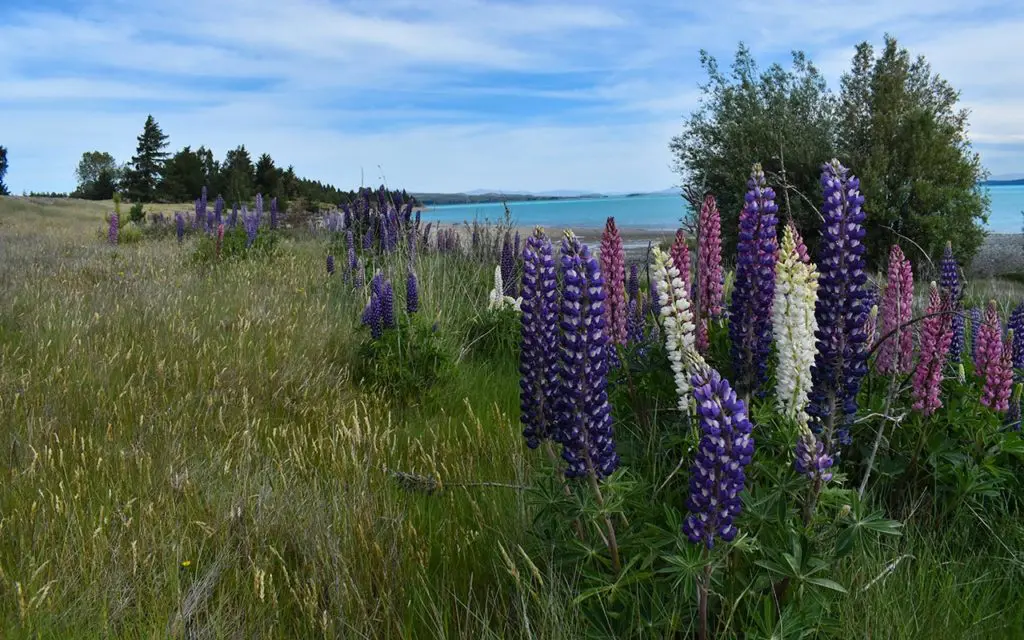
(827, 584)
(1013, 444)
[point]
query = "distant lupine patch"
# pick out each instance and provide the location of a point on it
(179, 220)
(200, 214)
(949, 282)
(274, 220)
(368, 238)
(218, 211)
(726, 448)
(114, 229)
(584, 415)
(377, 284)
(234, 216)
(252, 224)
(936, 336)
(412, 293)
(330, 265)
(203, 200)
(358, 275)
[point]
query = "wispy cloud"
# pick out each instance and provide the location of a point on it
(448, 95)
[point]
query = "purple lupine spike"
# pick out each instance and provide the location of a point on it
(613, 270)
(726, 448)
(377, 284)
(412, 293)
(218, 209)
(330, 265)
(273, 212)
(516, 247)
(508, 268)
(750, 324)
(538, 353)
(114, 229)
(368, 238)
(387, 305)
(584, 423)
(203, 202)
(949, 282)
(975, 325)
(350, 240)
(635, 322)
(234, 216)
(1016, 324)
(416, 222)
(811, 458)
(179, 221)
(251, 224)
(373, 317)
(841, 359)
(426, 236)
(259, 207)
(199, 211)
(346, 215)
(359, 275)
(896, 353)
(633, 284)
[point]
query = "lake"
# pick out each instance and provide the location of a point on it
(663, 212)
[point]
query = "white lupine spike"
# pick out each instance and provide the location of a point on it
(496, 300)
(794, 326)
(677, 322)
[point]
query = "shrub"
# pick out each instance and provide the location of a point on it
(136, 213)
(265, 246)
(131, 233)
(406, 361)
(493, 334)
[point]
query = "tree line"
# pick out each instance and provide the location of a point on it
(896, 124)
(154, 175)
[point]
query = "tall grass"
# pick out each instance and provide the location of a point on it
(187, 454)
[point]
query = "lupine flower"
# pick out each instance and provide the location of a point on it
(387, 305)
(350, 240)
(584, 422)
(496, 299)
(359, 275)
(1016, 324)
(218, 210)
(220, 239)
(750, 322)
(613, 270)
(794, 326)
(801, 248)
(896, 354)
(988, 340)
(949, 282)
(841, 359)
(259, 207)
(203, 198)
(273, 212)
(373, 317)
(726, 447)
(999, 378)
(633, 284)
(179, 220)
(709, 260)
(368, 238)
(516, 252)
(635, 322)
(538, 352)
(680, 252)
(975, 326)
(251, 224)
(677, 316)
(936, 335)
(508, 268)
(412, 293)
(811, 458)
(330, 265)
(377, 284)
(201, 214)
(114, 229)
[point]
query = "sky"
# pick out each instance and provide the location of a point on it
(449, 95)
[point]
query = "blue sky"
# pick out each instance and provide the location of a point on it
(448, 95)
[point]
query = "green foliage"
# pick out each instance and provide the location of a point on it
(130, 233)
(3, 171)
(184, 175)
(409, 361)
(142, 177)
(894, 123)
(237, 175)
(137, 213)
(98, 175)
(493, 334)
(266, 246)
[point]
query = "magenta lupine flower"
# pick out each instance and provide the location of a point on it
(680, 252)
(988, 341)
(936, 336)
(538, 351)
(412, 293)
(709, 260)
(1016, 324)
(584, 423)
(896, 354)
(726, 447)
(114, 229)
(841, 359)
(999, 379)
(750, 315)
(949, 282)
(613, 270)
(801, 248)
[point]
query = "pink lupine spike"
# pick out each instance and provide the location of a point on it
(895, 355)
(613, 269)
(709, 269)
(999, 378)
(936, 335)
(681, 257)
(989, 341)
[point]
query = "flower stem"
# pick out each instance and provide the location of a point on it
(878, 437)
(613, 545)
(702, 599)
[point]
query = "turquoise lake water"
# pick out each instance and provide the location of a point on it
(664, 212)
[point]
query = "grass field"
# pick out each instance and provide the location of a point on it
(186, 453)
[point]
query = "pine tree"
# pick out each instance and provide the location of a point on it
(184, 176)
(267, 177)
(146, 168)
(3, 171)
(238, 175)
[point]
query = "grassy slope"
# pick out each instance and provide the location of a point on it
(185, 450)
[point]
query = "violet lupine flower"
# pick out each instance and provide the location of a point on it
(613, 270)
(988, 340)
(680, 252)
(346, 215)
(584, 422)
(709, 260)
(179, 221)
(633, 284)
(330, 265)
(373, 317)
(259, 207)
(377, 284)
(634, 322)
(200, 214)
(1016, 324)
(273, 213)
(218, 210)
(999, 378)
(368, 238)
(516, 253)
(359, 275)
(350, 240)
(412, 293)
(896, 354)
(202, 198)
(251, 224)
(936, 335)
(841, 359)
(949, 282)
(726, 448)
(538, 352)
(114, 229)
(975, 325)
(750, 324)
(508, 268)
(387, 305)
(811, 458)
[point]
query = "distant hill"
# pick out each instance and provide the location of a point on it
(1003, 183)
(480, 196)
